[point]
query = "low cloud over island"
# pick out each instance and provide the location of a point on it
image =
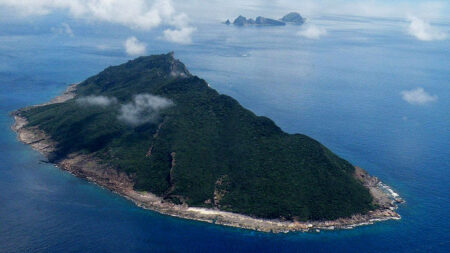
(144, 108)
(102, 101)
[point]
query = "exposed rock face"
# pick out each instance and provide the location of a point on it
(383, 195)
(88, 167)
(220, 189)
(34, 137)
(294, 18)
(171, 173)
(177, 69)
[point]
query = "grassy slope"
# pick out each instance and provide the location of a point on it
(263, 171)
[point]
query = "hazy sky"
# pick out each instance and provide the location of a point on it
(177, 18)
(372, 8)
(215, 9)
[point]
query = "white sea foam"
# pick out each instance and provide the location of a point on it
(389, 190)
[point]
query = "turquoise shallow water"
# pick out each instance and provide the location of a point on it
(343, 90)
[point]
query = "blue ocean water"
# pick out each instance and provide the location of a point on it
(343, 90)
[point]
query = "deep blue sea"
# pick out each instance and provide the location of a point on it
(343, 89)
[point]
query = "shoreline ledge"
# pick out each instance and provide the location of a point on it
(90, 168)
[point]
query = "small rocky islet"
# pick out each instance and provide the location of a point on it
(290, 18)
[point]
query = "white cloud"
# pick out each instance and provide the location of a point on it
(96, 101)
(180, 36)
(422, 30)
(134, 47)
(312, 32)
(132, 13)
(418, 96)
(136, 14)
(182, 33)
(63, 29)
(144, 108)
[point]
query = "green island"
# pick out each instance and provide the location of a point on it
(155, 128)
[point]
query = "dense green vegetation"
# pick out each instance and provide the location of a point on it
(218, 146)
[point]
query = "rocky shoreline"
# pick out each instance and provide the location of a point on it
(90, 168)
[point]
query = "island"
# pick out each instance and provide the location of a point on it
(291, 18)
(154, 133)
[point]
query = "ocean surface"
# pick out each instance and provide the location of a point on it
(343, 89)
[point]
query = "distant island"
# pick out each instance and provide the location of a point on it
(154, 133)
(291, 18)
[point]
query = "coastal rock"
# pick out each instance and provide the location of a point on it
(293, 18)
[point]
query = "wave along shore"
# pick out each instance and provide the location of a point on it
(90, 168)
